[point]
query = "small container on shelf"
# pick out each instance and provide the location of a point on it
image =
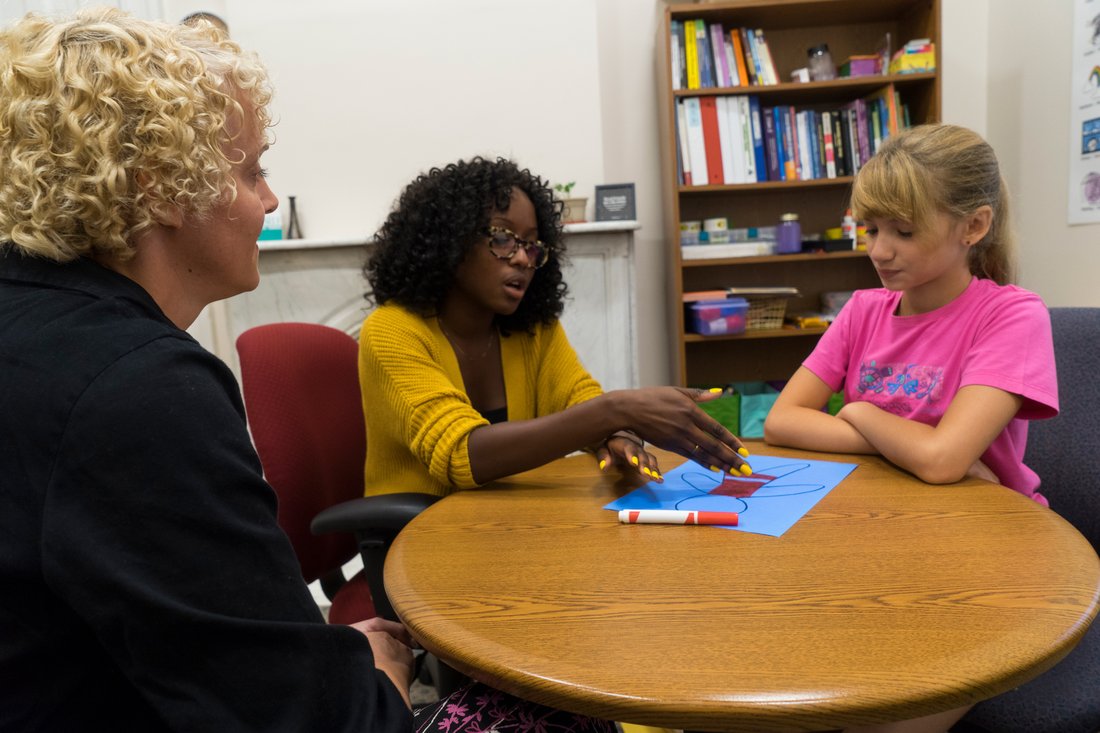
(788, 235)
(689, 232)
(848, 228)
(861, 66)
(717, 230)
(765, 313)
(719, 317)
(821, 63)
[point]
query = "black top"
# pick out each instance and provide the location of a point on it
(498, 415)
(146, 585)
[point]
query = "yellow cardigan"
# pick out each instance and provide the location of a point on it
(417, 413)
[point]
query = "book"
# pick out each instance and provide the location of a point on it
(771, 76)
(702, 51)
(790, 144)
(805, 144)
(725, 138)
(708, 109)
(744, 140)
(697, 149)
(840, 146)
(886, 99)
(779, 291)
(718, 48)
(682, 144)
(737, 136)
(674, 53)
(851, 137)
(863, 131)
(829, 147)
(731, 62)
(739, 57)
(771, 146)
(817, 142)
(782, 142)
(718, 251)
(680, 174)
(751, 59)
(875, 124)
(760, 165)
(690, 53)
(695, 296)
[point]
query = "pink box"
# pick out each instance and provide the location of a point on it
(860, 66)
(719, 317)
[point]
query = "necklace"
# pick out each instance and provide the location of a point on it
(454, 343)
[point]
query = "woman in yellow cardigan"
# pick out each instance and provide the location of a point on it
(466, 372)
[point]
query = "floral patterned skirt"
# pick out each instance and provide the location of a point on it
(481, 709)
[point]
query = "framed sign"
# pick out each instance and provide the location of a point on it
(615, 202)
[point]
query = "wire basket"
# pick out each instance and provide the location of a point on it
(765, 313)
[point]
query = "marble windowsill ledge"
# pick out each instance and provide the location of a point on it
(588, 227)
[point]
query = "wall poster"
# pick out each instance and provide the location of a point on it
(1084, 159)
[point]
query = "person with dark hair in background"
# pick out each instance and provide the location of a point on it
(466, 372)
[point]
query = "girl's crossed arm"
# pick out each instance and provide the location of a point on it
(941, 454)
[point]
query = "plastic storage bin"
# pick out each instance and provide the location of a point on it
(719, 317)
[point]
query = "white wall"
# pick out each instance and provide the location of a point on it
(1028, 91)
(369, 93)
(365, 102)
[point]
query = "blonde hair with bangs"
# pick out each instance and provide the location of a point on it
(104, 118)
(940, 168)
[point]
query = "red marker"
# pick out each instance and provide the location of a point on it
(675, 516)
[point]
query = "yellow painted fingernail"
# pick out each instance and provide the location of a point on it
(715, 468)
(634, 460)
(746, 469)
(603, 465)
(715, 390)
(743, 451)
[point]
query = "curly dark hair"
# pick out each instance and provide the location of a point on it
(436, 221)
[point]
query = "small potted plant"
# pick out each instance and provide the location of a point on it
(574, 206)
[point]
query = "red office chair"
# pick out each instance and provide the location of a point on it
(301, 393)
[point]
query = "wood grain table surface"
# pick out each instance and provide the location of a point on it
(890, 599)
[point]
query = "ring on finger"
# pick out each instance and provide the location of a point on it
(693, 450)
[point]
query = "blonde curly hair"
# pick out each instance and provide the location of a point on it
(105, 117)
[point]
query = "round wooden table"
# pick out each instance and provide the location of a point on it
(890, 599)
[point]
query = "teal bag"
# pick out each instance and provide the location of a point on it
(757, 399)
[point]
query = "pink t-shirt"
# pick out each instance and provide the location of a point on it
(912, 366)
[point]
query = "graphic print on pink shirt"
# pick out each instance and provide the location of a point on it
(901, 388)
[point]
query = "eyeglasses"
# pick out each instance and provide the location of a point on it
(504, 244)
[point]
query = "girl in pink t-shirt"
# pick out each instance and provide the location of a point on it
(943, 366)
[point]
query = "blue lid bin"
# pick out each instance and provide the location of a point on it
(719, 317)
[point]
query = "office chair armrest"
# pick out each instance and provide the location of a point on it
(383, 514)
(375, 521)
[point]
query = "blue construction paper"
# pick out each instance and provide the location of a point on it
(778, 493)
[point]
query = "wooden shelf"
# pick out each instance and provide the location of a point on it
(769, 185)
(814, 92)
(763, 259)
(849, 27)
(763, 333)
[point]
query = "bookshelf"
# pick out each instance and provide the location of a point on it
(849, 27)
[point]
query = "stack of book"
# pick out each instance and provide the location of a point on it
(917, 56)
(707, 56)
(778, 291)
(724, 140)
